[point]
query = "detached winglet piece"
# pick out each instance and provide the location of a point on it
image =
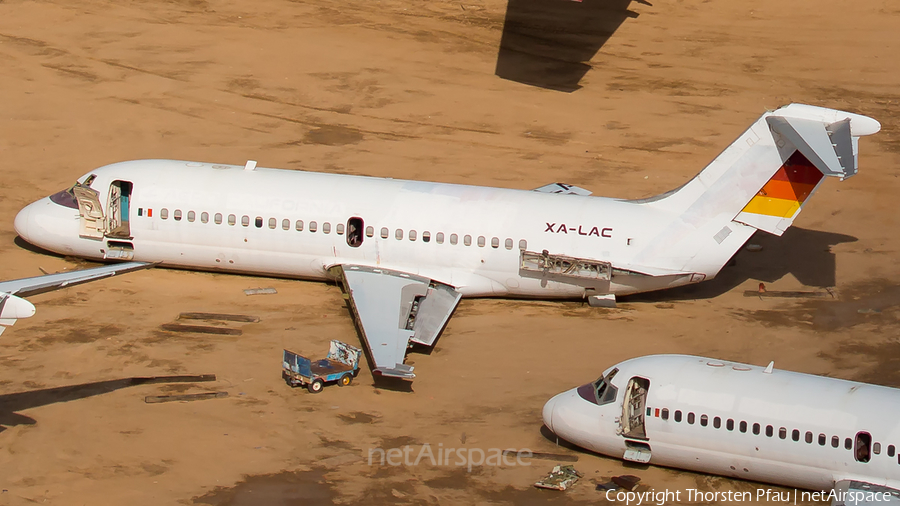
(12, 308)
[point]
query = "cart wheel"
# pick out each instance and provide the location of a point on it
(315, 386)
(345, 380)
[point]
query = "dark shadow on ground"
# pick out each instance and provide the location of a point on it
(19, 401)
(806, 254)
(549, 43)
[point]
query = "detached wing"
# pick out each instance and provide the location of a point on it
(393, 309)
(860, 493)
(13, 306)
(32, 286)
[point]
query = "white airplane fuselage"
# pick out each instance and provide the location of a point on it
(737, 420)
(474, 234)
(481, 241)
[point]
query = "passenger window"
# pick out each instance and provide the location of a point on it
(177, 215)
(412, 235)
(677, 415)
(782, 433)
(467, 240)
(769, 431)
(339, 229)
(245, 221)
(439, 238)
(232, 219)
(258, 222)
(835, 441)
(743, 426)
(398, 234)
(454, 239)
(370, 231)
(876, 448)
(755, 429)
(809, 437)
(285, 224)
(822, 439)
(665, 413)
(299, 226)
(717, 422)
(313, 226)
(508, 243)
(273, 223)
(863, 443)
(384, 233)
(355, 232)
(690, 418)
(204, 217)
(523, 244)
(729, 424)
(704, 420)
(795, 435)
(191, 216)
(164, 213)
(495, 242)
(326, 228)
(426, 236)
(848, 444)
(890, 450)
(218, 218)
(481, 241)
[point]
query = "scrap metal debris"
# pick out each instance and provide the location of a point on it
(762, 292)
(626, 481)
(200, 329)
(545, 456)
(155, 399)
(220, 317)
(260, 291)
(560, 478)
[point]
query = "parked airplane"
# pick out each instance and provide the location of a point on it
(406, 251)
(13, 306)
(742, 421)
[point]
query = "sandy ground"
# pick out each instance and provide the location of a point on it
(406, 88)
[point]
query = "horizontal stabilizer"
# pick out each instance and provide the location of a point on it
(828, 147)
(563, 188)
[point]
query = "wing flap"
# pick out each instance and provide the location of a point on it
(392, 308)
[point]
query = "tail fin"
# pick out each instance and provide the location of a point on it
(760, 182)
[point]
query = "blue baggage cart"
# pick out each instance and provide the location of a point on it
(341, 365)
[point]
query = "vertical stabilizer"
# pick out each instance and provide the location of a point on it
(760, 182)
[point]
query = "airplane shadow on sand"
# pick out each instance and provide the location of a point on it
(805, 254)
(549, 43)
(19, 401)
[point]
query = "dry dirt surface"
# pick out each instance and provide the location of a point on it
(407, 89)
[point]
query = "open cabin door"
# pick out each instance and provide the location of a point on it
(117, 222)
(632, 420)
(93, 222)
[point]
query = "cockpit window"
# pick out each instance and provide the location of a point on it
(601, 391)
(65, 198)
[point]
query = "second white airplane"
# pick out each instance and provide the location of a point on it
(406, 251)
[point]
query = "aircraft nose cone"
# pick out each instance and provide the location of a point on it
(547, 413)
(22, 221)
